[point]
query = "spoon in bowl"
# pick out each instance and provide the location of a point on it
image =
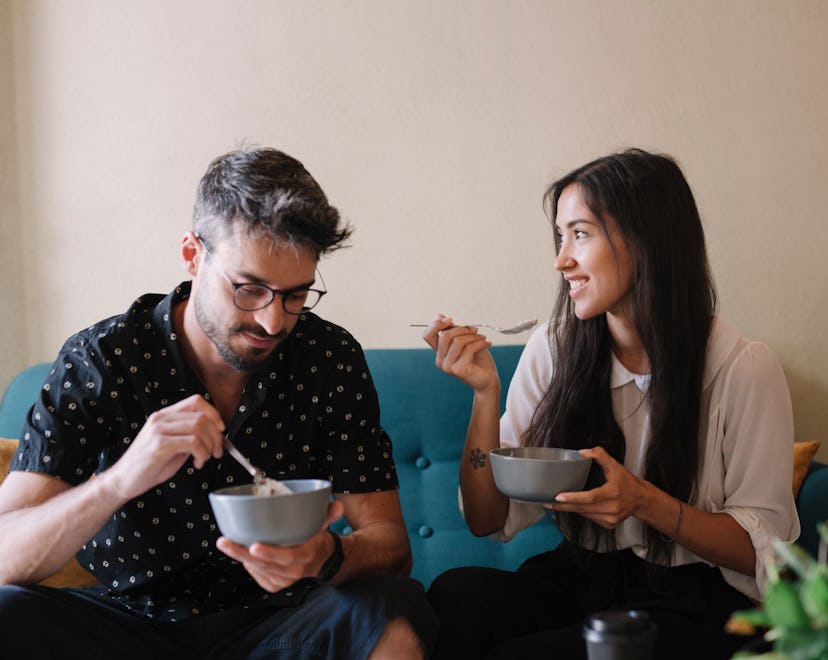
(257, 474)
(262, 485)
(522, 326)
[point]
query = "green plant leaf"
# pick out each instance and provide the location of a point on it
(783, 608)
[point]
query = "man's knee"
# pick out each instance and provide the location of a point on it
(398, 640)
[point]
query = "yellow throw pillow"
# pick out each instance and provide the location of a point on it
(71, 575)
(7, 448)
(804, 453)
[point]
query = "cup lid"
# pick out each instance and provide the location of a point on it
(619, 621)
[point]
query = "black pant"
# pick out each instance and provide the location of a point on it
(333, 623)
(539, 610)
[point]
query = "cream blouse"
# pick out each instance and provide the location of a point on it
(746, 437)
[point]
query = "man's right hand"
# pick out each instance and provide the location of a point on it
(191, 427)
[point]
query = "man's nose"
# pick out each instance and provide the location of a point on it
(272, 317)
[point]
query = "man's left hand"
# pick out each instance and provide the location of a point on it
(276, 567)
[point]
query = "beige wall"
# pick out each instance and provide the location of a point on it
(434, 126)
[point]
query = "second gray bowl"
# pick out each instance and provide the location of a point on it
(538, 474)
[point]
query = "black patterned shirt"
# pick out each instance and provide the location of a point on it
(311, 412)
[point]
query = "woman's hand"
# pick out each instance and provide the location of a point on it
(610, 504)
(463, 353)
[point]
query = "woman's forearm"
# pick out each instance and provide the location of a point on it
(484, 506)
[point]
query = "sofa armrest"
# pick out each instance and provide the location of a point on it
(19, 397)
(812, 505)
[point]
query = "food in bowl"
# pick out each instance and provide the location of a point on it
(267, 486)
(538, 474)
(281, 519)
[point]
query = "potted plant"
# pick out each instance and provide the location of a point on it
(794, 610)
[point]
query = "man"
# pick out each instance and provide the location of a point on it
(144, 400)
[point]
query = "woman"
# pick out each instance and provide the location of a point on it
(689, 426)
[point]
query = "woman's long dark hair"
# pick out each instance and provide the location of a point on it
(671, 301)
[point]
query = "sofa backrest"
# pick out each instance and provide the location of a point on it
(426, 412)
(19, 397)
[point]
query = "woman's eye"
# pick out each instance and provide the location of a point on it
(579, 234)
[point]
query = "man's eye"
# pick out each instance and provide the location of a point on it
(253, 291)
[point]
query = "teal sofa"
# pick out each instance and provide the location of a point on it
(426, 412)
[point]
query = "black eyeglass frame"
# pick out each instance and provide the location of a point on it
(237, 286)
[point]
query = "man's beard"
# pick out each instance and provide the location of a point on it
(244, 363)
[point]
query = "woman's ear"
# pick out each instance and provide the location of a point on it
(190, 251)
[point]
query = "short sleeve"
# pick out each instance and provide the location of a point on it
(63, 432)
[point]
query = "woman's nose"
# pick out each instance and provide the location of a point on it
(563, 259)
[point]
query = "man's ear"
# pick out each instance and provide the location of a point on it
(190, 251)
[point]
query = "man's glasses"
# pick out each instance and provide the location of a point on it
(250, 296)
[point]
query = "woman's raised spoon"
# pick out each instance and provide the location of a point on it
(522, 326)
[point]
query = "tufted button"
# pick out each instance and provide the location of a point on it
(425, 531)
(422, 462)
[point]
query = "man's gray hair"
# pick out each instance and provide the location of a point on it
(266, 190)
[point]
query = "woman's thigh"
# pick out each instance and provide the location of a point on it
(480, 608)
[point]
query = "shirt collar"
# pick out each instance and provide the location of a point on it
(620, 376)
(722, 341)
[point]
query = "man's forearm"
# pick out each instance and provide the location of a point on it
(37, 540)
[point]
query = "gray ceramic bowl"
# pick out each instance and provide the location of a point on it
(275, 519)
(538, 474)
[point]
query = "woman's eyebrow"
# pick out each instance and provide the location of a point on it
(576, 221)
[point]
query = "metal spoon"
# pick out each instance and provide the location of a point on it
(257, 474)
(522, 326)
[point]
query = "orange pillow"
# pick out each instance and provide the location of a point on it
(7, 448)
(804, 453)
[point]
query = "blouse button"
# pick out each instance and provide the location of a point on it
(422, 462)
(425, 531)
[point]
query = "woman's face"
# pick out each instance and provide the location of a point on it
(597, 269)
